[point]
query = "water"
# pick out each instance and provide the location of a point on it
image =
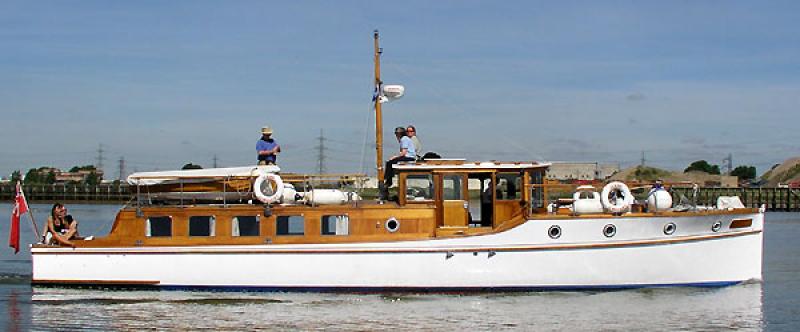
(773, 305)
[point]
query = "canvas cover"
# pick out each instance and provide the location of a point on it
(198, 175)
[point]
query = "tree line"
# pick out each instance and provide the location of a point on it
(47, 175)
(743, 172)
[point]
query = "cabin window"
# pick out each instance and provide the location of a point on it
(537, 189)
(158, 226)
(508, 186)
(289, 225)
(335, 225)
(202, 225)
(419, 187)
(452, 187)
(245, 226)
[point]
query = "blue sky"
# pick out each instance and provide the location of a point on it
(164, 83)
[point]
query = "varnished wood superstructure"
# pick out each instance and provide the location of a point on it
(436, 217)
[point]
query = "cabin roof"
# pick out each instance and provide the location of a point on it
(461, 164)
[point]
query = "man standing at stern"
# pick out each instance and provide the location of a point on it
(267, 148)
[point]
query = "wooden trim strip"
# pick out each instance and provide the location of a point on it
(513, 248)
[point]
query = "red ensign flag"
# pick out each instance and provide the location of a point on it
(20, 207)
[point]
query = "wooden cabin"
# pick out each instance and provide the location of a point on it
(437, 203)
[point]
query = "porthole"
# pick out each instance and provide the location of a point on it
(716, 226)
(392, 225)
(609, 230)
(554, 232)
(669, 228)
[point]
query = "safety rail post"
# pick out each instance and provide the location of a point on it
(225, 191)
(181, 182)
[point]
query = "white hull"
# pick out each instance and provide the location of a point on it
(525, 257)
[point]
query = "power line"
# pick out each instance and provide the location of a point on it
(100, 157)
(643, 160)
(121, 168)
(321, 153)
(728, 163)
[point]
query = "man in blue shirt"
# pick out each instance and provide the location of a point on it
(267, 148)
(407, 153)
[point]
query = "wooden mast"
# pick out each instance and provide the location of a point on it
(378, 116)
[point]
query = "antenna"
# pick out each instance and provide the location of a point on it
(378, 116)
(215, 161)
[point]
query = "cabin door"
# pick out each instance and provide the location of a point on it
(455, 207)
(482, 208)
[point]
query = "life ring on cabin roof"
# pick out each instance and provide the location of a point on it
(262, 185)
(621, 204)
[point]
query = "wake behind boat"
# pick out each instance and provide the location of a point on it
(250, 228)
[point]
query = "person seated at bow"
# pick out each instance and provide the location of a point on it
(61, 227)
(407, 153)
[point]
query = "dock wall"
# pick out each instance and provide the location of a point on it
(69, 193)
(776, 199)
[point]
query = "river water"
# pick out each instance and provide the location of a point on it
(773, 305)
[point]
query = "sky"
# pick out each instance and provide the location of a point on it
(164, 83)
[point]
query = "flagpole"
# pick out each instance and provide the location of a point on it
(35, 228)
(30, 214)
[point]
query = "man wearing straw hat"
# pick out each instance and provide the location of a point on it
(267, 147)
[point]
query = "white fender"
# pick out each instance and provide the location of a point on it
(620, 205)
(259, 183)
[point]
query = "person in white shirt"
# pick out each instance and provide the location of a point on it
(407, 153)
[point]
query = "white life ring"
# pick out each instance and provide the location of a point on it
(259, 183)
(620, 205)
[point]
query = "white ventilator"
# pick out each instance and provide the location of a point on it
(586, 201)
(263, 189)
(622, 200)
(659, 199)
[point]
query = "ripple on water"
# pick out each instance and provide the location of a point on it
(736, 307)
(14, 278)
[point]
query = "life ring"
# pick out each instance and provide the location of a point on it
(259, 183)
(620, 205)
